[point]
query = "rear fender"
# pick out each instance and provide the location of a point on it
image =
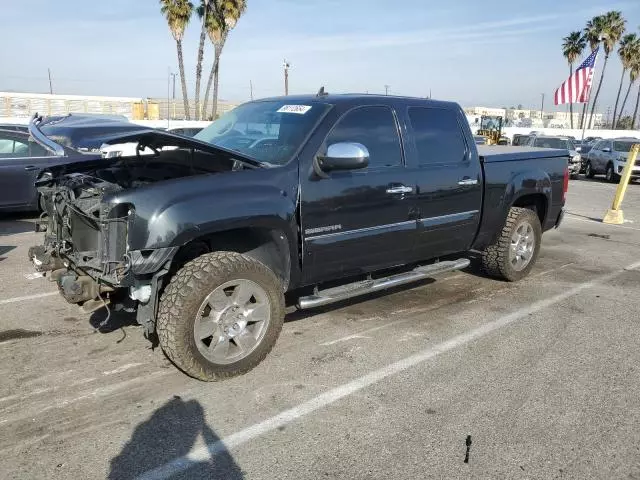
(521, 184)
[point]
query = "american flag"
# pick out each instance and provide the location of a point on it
(576, 88)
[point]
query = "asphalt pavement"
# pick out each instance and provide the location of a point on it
(535, 379)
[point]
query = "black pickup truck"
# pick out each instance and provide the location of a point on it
(325, 197)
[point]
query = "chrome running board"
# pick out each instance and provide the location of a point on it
(343, 292)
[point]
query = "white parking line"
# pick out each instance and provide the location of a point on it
(196, 455)
(27, 297)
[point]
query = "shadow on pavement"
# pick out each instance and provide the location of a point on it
(117, 320)
(595, 219)
(168, 434)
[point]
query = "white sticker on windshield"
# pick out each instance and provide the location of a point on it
(299, 109)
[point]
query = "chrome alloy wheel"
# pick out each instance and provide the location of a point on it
(232, 321)
(522, 246)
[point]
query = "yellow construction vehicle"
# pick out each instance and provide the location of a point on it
(491, 129)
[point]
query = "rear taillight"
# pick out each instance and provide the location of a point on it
(565, 184)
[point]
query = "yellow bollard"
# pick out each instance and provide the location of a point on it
(614, 215)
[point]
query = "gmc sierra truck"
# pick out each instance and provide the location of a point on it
(322, 197)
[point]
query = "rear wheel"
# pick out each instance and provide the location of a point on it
(611, 175)
(220, 315)
(515, 252)
(588, 170)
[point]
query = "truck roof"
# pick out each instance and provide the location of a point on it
(500, 153)
(365, 98)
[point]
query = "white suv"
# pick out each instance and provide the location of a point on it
(609, 157)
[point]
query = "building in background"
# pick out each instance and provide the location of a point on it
(25, 105)
(531, 118)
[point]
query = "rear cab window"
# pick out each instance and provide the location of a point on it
(437, 135)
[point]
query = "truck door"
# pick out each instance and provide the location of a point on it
(448, 180)
(360, 220)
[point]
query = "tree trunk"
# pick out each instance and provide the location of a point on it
(635, 112)
(203, 37)
(214, 101)
(595, 99)
(216, 70)
(615, 108)
(624, 102)
(185, 98)
(570, 102)
(209, 83)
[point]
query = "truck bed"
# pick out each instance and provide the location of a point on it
(498, 153)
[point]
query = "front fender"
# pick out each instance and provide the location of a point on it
(193, 216)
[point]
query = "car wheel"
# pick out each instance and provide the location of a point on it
(588, 171)
(220, 315)
(515, 252)
(611, 175)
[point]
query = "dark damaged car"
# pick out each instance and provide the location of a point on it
(325, 197)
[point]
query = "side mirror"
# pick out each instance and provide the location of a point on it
(344, 156)
(606, 150)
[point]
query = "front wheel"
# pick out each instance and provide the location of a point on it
(588, 171)
(220, 315)
(611, 175)
(515, 252)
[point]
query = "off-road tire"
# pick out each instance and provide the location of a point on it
(181, 301)
(495, 258)
(588, 171)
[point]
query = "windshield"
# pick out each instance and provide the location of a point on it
(269, 131)
(491, 123)
(624, 147)
(555, 143)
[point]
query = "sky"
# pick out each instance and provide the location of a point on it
(490, 53)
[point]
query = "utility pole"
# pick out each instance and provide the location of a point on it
(172, 77)
(286, 65)
(386, 89)
(50, 85)
(251, 88)
(168, 93)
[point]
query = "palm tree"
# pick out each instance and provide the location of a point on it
(202, 12)
(634, 74)
(592, 33)
(636, 68)
(572, 47)
(627, 53)
(178, 13)
(223, 17)
(610, 28)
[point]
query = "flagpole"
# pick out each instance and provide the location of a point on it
(584, 116)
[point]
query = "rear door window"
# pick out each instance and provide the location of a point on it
(437, 135)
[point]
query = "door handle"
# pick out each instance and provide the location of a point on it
(400, 189)
(468, 181)
(29, 168)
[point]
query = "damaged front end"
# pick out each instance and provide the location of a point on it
(85, 242)
(86, 248)
(99, 248)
